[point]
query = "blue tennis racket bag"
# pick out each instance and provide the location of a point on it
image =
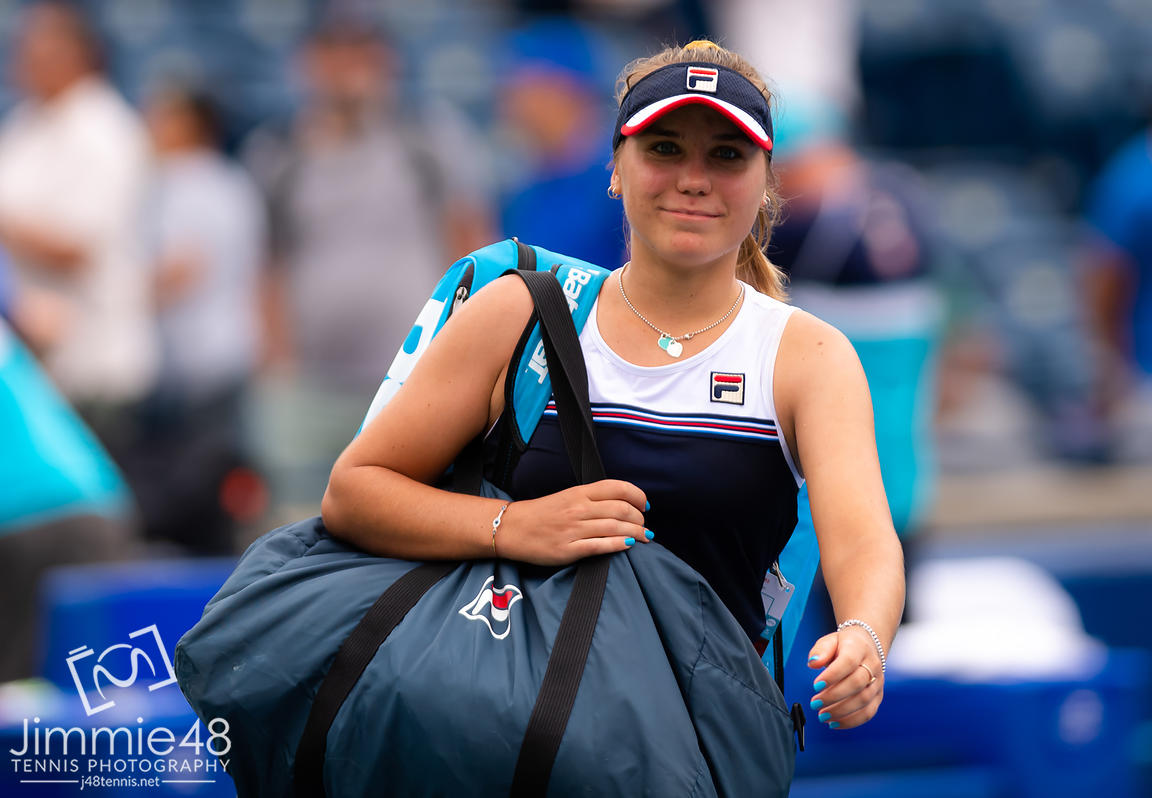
(342, 673)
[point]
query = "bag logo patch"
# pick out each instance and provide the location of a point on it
(493, 606)
(727, 388)
(703, 79)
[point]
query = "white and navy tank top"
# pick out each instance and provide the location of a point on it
(700, 437)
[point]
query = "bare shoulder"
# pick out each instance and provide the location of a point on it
(487, 327)
(815, 359)
(503, 302)
(455, 389)
(811, 348)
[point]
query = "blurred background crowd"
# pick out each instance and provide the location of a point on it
(218, 221)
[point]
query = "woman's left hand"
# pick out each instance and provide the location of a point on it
(846, 695)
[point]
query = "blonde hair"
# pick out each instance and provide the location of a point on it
(752, 264)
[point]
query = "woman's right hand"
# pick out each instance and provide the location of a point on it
(560, 528)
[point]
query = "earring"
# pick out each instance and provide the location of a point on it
(613, 193)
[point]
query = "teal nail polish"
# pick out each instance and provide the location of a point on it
(629, 541)
(833, 725)
(816, 703)
(648, 533)
(825, 715)
(814, 657)
(820, 685)
(647, 506)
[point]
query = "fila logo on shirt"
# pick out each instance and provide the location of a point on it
(703, 79)
(727, 387)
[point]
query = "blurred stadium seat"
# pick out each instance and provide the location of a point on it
(99, 605)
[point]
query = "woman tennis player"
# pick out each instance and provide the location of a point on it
(713, 398)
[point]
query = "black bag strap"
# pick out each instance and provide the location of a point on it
(574, 637)
(778, 659)
(567, 372)
(569, 654)
(561, 681)
(468, 468)
(353, 657)
(797, 712)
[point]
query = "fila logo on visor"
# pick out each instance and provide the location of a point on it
(703, 79)
(727, 387)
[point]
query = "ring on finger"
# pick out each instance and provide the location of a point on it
(870, 673)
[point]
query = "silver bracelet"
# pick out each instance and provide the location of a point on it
(875, 639)
(495, 526)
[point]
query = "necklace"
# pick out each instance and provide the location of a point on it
(671, 343)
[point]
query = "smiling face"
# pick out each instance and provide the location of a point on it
(692, 184)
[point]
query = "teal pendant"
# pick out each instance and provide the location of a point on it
(673, 348)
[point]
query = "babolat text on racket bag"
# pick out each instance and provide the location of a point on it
(618, 675)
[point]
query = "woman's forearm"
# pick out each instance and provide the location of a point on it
(866, 582)
(387, 513)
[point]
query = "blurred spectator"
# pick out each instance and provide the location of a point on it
(1119, 288)
(855, 242)
(205, 234)
(552, 107)
(73, 162)
(370, 201)
(63, 502)
(808, 49)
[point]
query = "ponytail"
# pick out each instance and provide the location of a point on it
(752, 264)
